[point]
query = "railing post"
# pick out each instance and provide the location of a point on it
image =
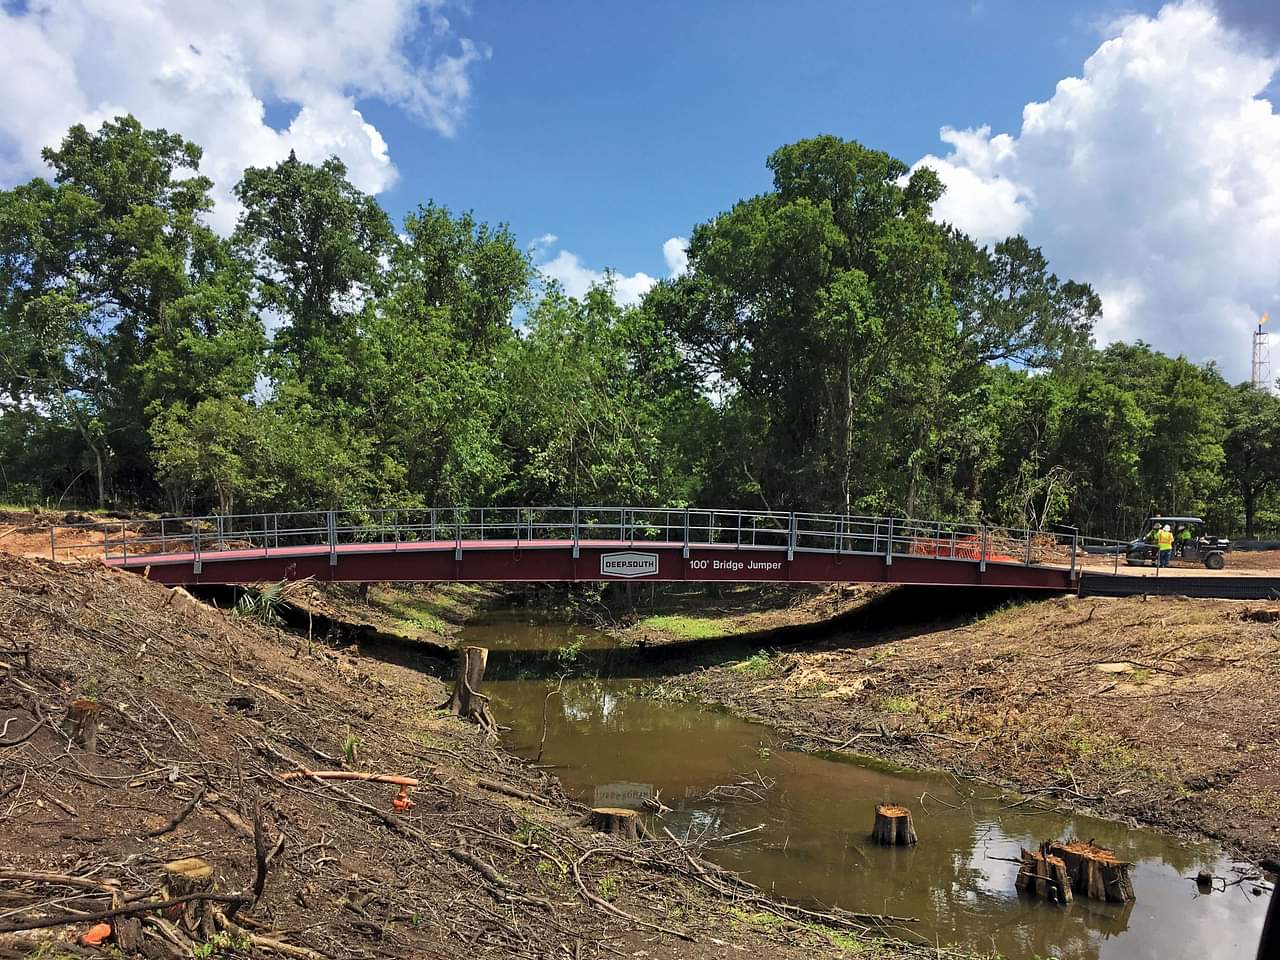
(124, 541)
(575, 533)
(685, 551)
(196, 565)
(457, 534)
(331, 522)
(163, 544)
(791, 536)
(982, 549)
(53, 544)
(1075, 547)
(888, 548)
(1027, 563)
(433, 524)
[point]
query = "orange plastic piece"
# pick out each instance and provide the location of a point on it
(95, 935)
(401, 801)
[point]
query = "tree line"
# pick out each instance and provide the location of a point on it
(830, 347)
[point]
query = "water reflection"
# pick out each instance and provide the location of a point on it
(815, 819)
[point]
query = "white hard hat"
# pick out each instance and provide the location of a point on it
(1166, 527)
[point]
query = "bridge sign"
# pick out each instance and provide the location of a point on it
(628, 563)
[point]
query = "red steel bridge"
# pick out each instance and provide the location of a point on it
(543, 544)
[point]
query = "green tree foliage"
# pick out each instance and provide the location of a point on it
(849, 329)
(598, 398)
(831, 347)
(117, 300)
(1252, 448)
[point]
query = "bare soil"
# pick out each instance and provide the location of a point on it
(1162, 710)
(209, 724)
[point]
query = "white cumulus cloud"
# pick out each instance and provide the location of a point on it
(676, 253)
(208, 71)
(1155, 176)
(576, 278)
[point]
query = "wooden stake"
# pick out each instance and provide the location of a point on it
(81, 723)
(893, 826)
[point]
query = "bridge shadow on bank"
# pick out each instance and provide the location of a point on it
(891, 616)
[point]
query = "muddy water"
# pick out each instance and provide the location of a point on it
(809, 819)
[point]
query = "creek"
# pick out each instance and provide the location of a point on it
(804, 821)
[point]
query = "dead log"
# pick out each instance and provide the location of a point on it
(893, 826)
(1095, 872)
(81, 723)
(617, 822)
(1044, 876)
(467, 701)
(186, 877)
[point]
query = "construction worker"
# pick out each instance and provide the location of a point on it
(1182, 537)
(1164, 545)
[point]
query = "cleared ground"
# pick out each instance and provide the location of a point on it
(207, 724)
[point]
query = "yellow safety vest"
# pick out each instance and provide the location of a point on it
(1164, 540)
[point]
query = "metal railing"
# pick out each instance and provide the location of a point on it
(223, 537)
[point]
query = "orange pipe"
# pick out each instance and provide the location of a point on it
(350, 775)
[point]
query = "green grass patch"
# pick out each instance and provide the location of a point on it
(840, 939)
(415, 611)
(899, 705)
(760, 664)
(686, 628)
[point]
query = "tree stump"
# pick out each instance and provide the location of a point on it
(893, 827)
(1044, 876)
(467, 701)
(183, 877)
(1095, 872)
(617, 822)
(81, 723)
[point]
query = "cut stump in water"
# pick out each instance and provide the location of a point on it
(893, 826)
(1044, 876)
(618, 822)
(1096, 873)
(467, 701)
(81, 723)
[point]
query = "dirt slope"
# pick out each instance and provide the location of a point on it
(206, 721)
(1164, 710)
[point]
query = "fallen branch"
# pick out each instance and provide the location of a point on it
(512, 791)
(608, 907)
(266, 943)
(177, 817)
(462, 855)
(237, 898)
(29, 734)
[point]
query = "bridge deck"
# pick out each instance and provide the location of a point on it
(551, 560)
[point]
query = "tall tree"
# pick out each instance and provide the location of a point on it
(117, 299)
(316, 244)
(1252, 447)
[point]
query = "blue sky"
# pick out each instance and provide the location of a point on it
(615, 126)
(1135, 142)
